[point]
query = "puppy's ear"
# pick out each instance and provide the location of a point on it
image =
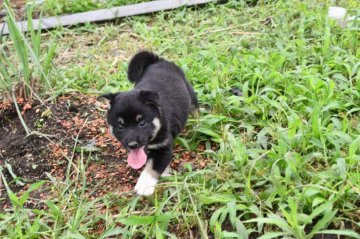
(149, 97)
(108, 96)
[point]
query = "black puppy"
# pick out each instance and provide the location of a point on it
(147, 119)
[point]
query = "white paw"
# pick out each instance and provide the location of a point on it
(144, 191)
(146, 184)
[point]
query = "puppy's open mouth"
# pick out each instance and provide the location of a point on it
(137, 158)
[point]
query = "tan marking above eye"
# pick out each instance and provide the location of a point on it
(138, 117)
(121, 120)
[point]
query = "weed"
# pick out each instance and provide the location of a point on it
(29, 73)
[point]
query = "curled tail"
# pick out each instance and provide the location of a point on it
(139, 63)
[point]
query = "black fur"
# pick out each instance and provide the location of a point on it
(139, 63)
(161, 91)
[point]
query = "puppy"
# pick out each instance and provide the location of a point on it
(147, 119)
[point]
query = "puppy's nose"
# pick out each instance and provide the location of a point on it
(133, 145)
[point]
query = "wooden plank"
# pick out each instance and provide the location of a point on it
(105, 14)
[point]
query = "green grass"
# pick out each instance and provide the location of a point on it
(287, 158)
(26, 68)
(25, 63)
(60, 7)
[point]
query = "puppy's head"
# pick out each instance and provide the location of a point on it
(134, 117)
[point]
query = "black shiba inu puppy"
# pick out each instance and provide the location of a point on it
(147, 119)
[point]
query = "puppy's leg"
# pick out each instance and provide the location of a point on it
(158, 160)
(147, 180)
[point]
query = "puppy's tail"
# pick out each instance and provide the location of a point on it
(139, 63)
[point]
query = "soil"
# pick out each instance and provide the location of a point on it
(18, 9)
(72, 125)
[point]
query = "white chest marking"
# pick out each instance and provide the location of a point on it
(157, 125)
(159, 145)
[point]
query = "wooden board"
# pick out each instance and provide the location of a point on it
(105, 14)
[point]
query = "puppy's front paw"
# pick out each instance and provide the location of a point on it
(146, 184)
(144, 190)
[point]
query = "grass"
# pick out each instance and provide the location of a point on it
(26, 68)
(56, 7)
(286, 161)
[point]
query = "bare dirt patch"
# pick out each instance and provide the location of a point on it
(71, 128)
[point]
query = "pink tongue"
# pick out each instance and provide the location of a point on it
(137, 158)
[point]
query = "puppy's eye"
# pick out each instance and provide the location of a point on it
(120, 126)
(142, 123)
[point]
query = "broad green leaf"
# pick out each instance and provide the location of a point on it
(112, 232)
(215, 217)
(343, 232)
(137, 220)
(55, 210)
(317, 201)
(324, 221)
(232, 212)
(216, 198)
(269, 235)
(241, 230)
(35, 186)
(354, 146)
(207, 131)
(226, 234)
(342, 167)
(184, 142)
(273, 219)
(325, 207)
(217, 230)
(316, 120)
